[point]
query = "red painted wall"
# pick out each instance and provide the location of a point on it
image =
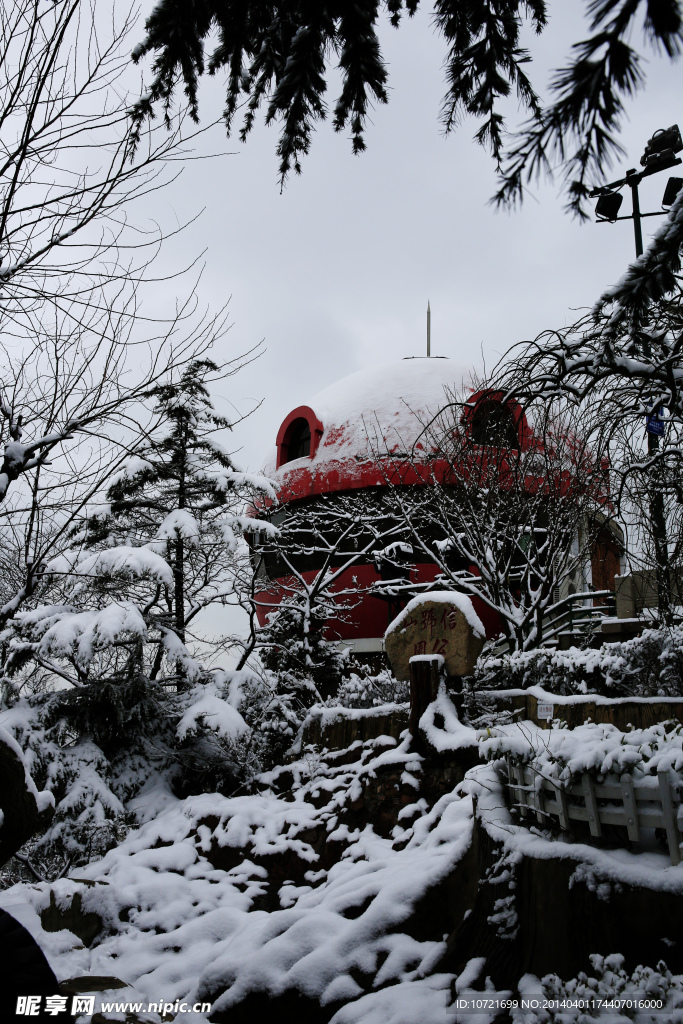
(366, 616)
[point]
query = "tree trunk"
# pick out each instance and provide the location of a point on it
(179, 589)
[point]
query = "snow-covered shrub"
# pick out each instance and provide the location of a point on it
(112, 757)
(600, 748)
(274, 706)
(216, 749)
(89, 788)
(648, 665)
(362, 690)
(299, 668)
(105, 728)
(597, 996)
(105, 689)
(98, 730)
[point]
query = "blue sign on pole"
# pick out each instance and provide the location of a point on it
(655, 425)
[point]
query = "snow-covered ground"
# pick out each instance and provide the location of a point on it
(177, 927)
(294, 889)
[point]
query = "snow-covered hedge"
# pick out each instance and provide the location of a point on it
(605, 990)
(599, 748)
(649, 665)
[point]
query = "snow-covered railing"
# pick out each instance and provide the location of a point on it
(576, 613)
(645, 803)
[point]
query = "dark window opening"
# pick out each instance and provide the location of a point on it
(493, 424)
(298, 441)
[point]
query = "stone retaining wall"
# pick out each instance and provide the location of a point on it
(575, 710)
(347, 727)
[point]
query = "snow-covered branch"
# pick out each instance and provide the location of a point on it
(509, 519)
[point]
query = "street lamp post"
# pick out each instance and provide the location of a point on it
(633, 180)
(659, 155)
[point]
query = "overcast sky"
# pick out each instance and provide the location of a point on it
(334, 274)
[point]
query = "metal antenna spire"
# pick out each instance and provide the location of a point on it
(429, 330)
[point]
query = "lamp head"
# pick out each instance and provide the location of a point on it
(673, 187)
(661, 149)
(607, 206)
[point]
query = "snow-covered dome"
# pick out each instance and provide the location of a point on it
(334, 443)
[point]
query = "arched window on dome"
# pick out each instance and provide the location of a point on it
(298, 441)
(299, 436)
(493, 423)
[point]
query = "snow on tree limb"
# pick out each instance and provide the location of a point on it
(209, 708)
(179, 523)
(79, 635)
(127, 562)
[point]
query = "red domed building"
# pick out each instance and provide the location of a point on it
(360, 436)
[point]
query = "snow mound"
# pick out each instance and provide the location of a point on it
(218, 898)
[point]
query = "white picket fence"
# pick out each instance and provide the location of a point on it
(649, 803)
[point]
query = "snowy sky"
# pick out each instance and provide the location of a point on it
(334, 273)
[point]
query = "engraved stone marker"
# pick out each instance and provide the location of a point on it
(442, 623)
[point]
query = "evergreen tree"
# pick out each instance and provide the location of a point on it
(279, 52)
(136, 713)
(292, 646)
(301, 668)
(183, 500)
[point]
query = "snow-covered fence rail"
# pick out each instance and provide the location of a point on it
(573, 709)
(635, 805)
(577, 613)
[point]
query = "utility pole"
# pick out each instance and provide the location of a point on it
(658, 156)
(429, 330)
